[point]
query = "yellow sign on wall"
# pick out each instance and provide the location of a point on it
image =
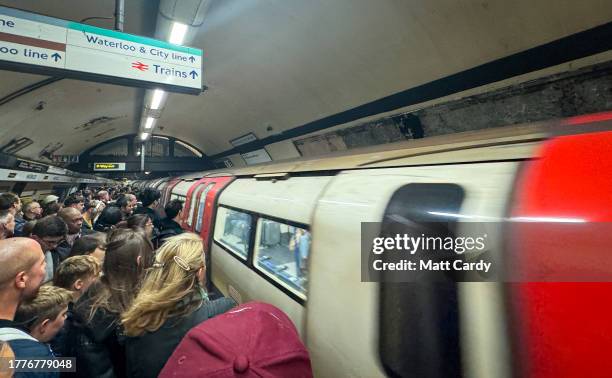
(109, 166)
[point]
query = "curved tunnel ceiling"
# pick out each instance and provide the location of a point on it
(271, 66)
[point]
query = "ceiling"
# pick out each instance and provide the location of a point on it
(273, 65)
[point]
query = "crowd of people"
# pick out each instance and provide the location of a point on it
(109, 281)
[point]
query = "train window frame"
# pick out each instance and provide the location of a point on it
(398, 356)
(275, 277)
(249, 261)
(200, 206)
(238, 254)
(192, 203)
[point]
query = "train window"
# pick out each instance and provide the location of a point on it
(419, 321)
(201, 206)
(281, 252)
(233, 230)
(177, 197)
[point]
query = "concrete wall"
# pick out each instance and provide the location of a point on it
(582, 91)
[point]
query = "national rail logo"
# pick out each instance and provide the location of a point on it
(140, 66)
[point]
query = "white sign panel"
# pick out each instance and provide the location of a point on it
(256, 157)
(40, 44)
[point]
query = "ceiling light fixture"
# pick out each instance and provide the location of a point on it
(144, 136)
(158, 96)
(149, 123)
(177, 34)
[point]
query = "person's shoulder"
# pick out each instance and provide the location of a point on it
(86, 231)
(27, 348)
(219, 306)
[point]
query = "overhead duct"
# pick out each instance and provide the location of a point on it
(187, 12)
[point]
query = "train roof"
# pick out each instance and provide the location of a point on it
(492, 144)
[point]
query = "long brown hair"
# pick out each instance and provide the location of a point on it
(171, 288)
(128, 255)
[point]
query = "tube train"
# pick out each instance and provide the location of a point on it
(289, 233)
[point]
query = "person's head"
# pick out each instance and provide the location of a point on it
(11, 202)
(73, 219)
(49, 200)
(77, 273)
(27, 228)
(51, 208)
(111, 215)
(44, 314)
(125, 205)
(92, 244)
(133, 200)
(87, 195)
(141, 222)
(76, 202)
(91, 208)
(32, 210)
(23, 268)
(7, 224)
(149, 197)
(49, 232)
(173, 209)
(173, 287)
(128, 255)
(218, 346)
(103, 196)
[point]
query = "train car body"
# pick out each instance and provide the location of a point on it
(289, 233)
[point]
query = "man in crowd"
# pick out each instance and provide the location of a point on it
(74, 220)
(22, 273)
(48, 200)
(50, 205)
(124, 203)
(31, 211)
(76, 202)
(10, 202)
(149, 199)
(49, 232)
(133, 200)
(7, 224)
(103, 196)
(170, 226)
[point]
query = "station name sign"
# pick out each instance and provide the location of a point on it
(109, 166)
(44, 45)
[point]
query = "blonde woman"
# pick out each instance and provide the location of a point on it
(171, 301)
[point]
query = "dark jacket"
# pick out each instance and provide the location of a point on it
(63, 249)
(96, 344)
(147, 354)
(59, 343)
(168, 229)
(25, 346)
(19, 224)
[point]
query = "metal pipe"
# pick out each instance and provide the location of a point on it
(142, 154)
(119, 13)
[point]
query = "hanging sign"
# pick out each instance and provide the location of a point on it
(49, 46)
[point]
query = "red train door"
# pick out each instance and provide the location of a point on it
(560, 254)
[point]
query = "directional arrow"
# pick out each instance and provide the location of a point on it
(191, 59)
(193, 74)
(56, 57)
